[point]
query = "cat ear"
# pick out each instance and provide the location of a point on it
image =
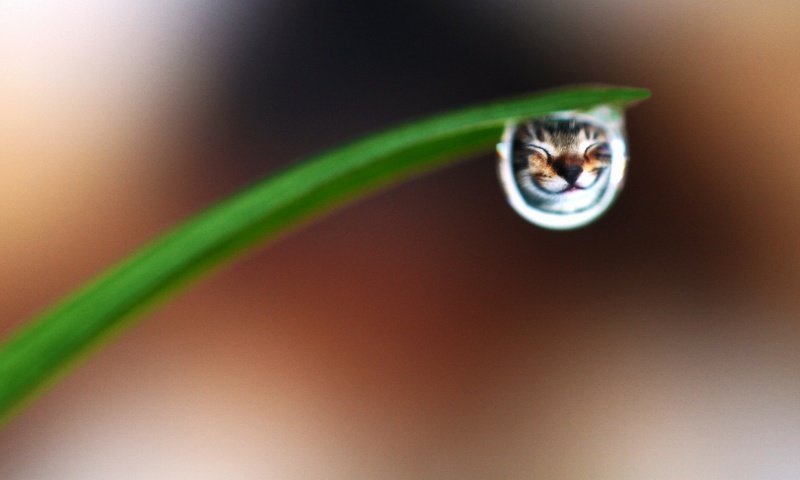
(600, 152)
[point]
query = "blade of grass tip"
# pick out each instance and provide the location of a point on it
(45, 347)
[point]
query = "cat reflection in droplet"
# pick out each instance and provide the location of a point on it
(563, 171)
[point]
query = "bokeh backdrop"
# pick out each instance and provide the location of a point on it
(427, 332)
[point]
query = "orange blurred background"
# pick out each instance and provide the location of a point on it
(427, 332)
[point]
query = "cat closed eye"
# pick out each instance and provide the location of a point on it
(599, 151)
(537, 155)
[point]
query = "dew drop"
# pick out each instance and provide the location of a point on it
(564, 170)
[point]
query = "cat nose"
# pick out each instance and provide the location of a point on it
(570, 173)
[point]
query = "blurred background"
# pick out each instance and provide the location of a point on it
(427, 332)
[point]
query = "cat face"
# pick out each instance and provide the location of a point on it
(564, 170)
(560, 163)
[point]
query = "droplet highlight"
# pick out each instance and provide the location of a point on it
(564, 170)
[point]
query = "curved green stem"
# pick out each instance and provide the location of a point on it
(46, 346)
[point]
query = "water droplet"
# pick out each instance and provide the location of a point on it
(564, 170)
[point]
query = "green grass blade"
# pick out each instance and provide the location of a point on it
(43, 348)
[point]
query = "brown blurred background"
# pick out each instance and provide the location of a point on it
(427, 332)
